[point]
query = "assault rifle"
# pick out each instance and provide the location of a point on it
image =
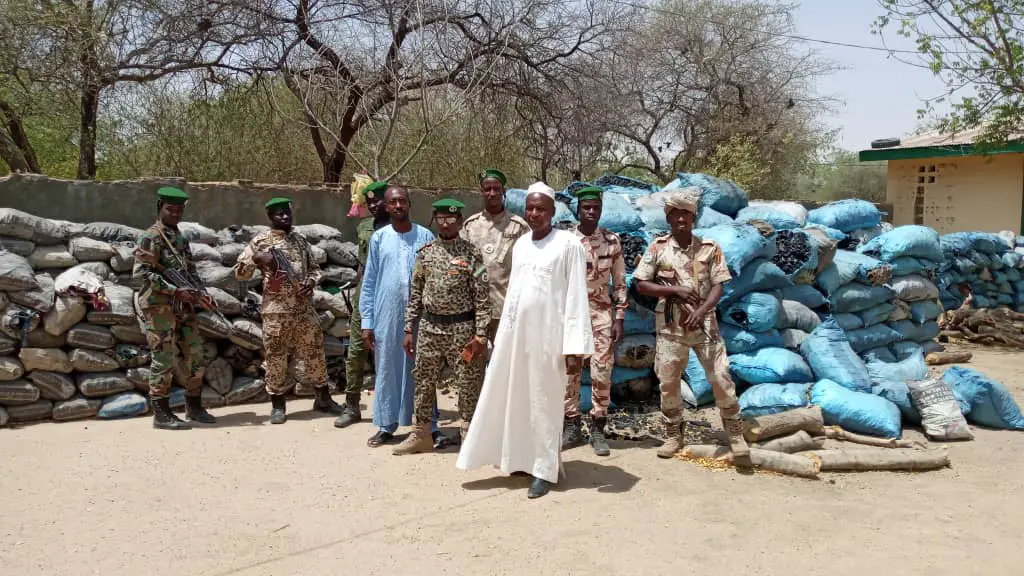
(283, 270)
(184, 280)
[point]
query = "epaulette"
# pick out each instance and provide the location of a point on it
(427, 245)
(661, 239)
(519, 220)
(611, 236)
(471, 218)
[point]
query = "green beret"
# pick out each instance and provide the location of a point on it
(172, 195)
(493, 173)
(589, 193)
(374, 188)
(278, 203)
(448, 206)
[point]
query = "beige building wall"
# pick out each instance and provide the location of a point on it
(958, 193)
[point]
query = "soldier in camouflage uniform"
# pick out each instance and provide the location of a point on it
(450, 304)
(687, 276)
(291, 327)
(356, 355)
(169, 312)
(605, 266)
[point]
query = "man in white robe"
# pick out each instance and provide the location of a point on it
(544, 334)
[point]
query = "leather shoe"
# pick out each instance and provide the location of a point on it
(538, 488)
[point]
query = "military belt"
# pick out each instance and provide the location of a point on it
(449, 318)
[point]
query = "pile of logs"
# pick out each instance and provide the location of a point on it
(794, 443)
(991, 326)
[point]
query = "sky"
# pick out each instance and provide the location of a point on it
(878, 96)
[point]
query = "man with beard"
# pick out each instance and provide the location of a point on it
(605, 266)
(169, 312)
(291, 327)
(544, 335)
(687, 275)
(446, 323)
(357, 353)
(493, 231)
(382, 304)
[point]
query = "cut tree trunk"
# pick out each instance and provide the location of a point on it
(804, 467)
(774, 425)
(864, 460)
(940, 358)
(801, 441)
(837, 433)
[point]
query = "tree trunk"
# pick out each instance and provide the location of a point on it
(794, 465)
(882, 459)
(940, 358)
(335, 163)
(11, 154)
(17, 138)
(87, 133)
(785, 423)
(799, 442)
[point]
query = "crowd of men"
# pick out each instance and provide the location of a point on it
(546, 300)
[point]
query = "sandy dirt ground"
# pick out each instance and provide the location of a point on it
(244, 498)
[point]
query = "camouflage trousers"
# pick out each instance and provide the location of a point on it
(600, 368)
(356, 354)
(435, 347)
(298, 338)
(670, 359)
(167, 335)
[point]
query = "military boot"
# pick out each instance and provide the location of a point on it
(420, 440)
(597, 439)
(349, 412)
(572, 433)
(277, 409)
(733, 424)
(324, 403)
(164, 418)
(195, 412)
(673, 440)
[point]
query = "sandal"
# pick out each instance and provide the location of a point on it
(379, 439)
(441, 441)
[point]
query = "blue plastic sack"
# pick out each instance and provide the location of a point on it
(765, 399)
(722, 195)
(849, 267)
(921, 312)
(709, 218)
(756, 312)
(873, 337)
(638, 321)
(846, 215)
(855, 297)
(832, 233)
(983, 400)
(739, 341)
(877, 314)
(617, 213)
(916, 332)
(898, 394)
(982, 301)
(653, 218)
(832, 357)
(904, 241)
(909, 265)
(858, 412)
(880, 354)
(845, 321)
(911, 368)
(905, 349)
(770, 366)
(123, 405)
(777, 218)
(740, 243)
(638, 190)
(698, 381)
(760, 275)
(807, 295)
(794, 315)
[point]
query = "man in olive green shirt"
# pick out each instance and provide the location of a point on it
(357, 352)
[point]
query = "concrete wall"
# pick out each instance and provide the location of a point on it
(213, 204)
(960, 194)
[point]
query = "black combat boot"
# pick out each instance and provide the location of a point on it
(572, 433)
(597, 439)
(324, 402)
(277, 413)
(164, 418)
(538, 488)
(349, 412)
(195, 412)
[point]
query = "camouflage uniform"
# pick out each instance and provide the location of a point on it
(356, 355)
(291, 328)
(493, 235)
(701, 266)
(449, 300)
(605, 265)
(169, 326)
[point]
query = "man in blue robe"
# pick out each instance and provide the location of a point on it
(382, 303)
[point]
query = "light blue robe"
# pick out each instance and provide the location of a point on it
(382, 302)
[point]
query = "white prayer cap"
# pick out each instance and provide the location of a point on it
(541, 188)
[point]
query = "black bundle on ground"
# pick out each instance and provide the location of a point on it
(616, 180)
(794, 249)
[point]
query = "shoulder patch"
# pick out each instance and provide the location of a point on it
(611, 236)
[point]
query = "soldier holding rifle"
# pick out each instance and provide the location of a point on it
(168, 300)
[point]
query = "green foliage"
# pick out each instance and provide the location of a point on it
(841, 175)
(739, 160)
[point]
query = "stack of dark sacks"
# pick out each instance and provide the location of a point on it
(984, 265)
(71, 341)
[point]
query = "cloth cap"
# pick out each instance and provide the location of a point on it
(278, 203)
(373, 188)
(448, 206)
(172, 195)
(589, 193)
(493, 173)
(683, 199)
(541, 188)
